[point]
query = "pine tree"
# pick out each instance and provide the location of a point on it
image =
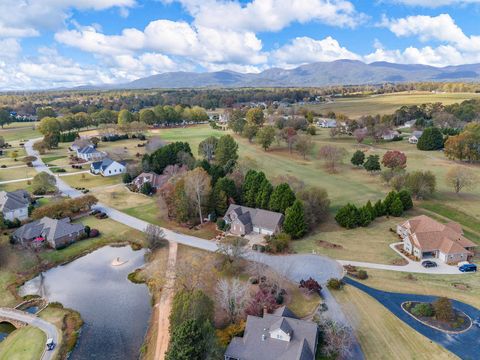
(189, 341)
(364, 217)
(295, 224)
(248, 183)
(358, 158)
(348, 216)
(379, 209)
(396, 208)
(282, 197)
(370, 210)
(431, 139)
(389, 199)
(266, 193)
(252, 193)
(406, 198)
(372, 163)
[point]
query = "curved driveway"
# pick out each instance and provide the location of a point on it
(49, 329)
(465, 345)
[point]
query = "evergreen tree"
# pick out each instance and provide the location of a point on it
(248, 183)
(379, 209)
(189, 341)
(226, 150)
(389, 199)
(282, 198)
(264, 193)
(295, 224)
(358, 158)
(396, 208)
(370, 210)
(364, 217)
(372, 163)
(431, 139)
(406, 198)
(251, 195)
(348, 216)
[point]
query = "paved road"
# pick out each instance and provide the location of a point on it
(465, 345)
(49, 329)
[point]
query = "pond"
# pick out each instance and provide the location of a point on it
(114, 310)
(5, 330)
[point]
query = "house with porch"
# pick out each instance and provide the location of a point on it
(244, 220)
(14, 204)
(424, 237)
(280, 335)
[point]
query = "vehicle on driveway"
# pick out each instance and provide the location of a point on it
(468, 268)
(50, 344)
(429, 264)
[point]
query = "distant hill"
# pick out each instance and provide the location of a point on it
(340, 72)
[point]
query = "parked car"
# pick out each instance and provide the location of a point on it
(429, 264)
(50, 344)
(468, 268)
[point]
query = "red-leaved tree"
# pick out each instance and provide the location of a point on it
(394, 159)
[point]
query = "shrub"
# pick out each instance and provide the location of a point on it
(278, 243)
(334, 284)
(127, 178)
(311, 285)
(423, 309)
(361, 274)
(226, 335)
(396, 208)
(221, 224)
(348, 216)
(358, 158)
(443, 309)
(87, 230)
(406, 198)
(312, 130)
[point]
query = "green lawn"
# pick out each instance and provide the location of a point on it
(16, 186)
(387, 104)
(19, 131)
(17, 173)
(23, 344)
(90, 181)
(121, 198)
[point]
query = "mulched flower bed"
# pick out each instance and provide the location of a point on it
(460, 323)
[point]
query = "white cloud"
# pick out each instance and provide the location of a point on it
(270, 15)
(302, 50)
(435, 3)
(22, 18)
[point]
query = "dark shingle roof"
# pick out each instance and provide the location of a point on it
(258, 344)
(285, 311)
(259, 218)
(10, 201)
(90, 149)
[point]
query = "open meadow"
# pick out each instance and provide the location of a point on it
(355, 107)
(17, 131)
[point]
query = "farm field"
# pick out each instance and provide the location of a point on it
(388, 103)
(19, 131)
(381, 334)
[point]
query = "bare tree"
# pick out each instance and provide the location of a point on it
(360, 135)
(232, 296)
(233, 248)
(154, 236)
(337, 337)
(195, 272)
(332, 155)
(304, 145)
(461, 177)
(198, 187)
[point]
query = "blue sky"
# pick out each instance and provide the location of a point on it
(51, 43)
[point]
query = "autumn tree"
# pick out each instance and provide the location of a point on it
(461, 177)
(315, 203)
(289, 135)
(255, 116)
(43, 183)
(147, 116)
(304, 145)
(394, 159)
(207, 148)
(197, 188)
(422, 184)
(332, 156)
(443, 309)
(232, 296)
(360, 135)
(266, 136)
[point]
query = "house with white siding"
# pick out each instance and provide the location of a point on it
(108, 167)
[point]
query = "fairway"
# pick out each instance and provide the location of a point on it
(19, 131)
(355, 107)
(24, 343)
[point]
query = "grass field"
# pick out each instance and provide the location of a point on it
(23, 344)
(17, 173)
(381, 334)
(16, 186)
(350, 184)
(19, 131)
(387, 104)
(90, 181)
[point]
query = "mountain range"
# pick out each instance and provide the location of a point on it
(339, 72)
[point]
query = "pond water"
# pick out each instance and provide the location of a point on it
(114, 310)
(32, 309)
(5, 330)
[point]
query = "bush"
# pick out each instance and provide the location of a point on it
(348, 216)
(226, 335)
(443, 309)
(312, 130)
(334, 284)
(87, 230)
(423, 309)
(127, 178)
(278, 243)
(221, 224)
(361, 275)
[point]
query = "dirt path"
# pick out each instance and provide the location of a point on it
(165, 303)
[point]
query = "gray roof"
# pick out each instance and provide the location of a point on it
(51, 229)
(258, 217)
(257, 343)
(81, 143)
(105, 163)
(10, 201)
(90, 149)
(285, 311)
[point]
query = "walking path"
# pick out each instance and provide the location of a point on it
(466, 345)
(164, 305)
(49, 329)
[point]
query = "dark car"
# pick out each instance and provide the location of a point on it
(468, 268)
(429, 264)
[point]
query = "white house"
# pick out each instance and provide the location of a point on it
(327, 123)
(108, 167)
(14, 205)
(416, 135)
(90, 153)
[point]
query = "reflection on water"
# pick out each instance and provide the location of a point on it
(5, 330)
(115, 311)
